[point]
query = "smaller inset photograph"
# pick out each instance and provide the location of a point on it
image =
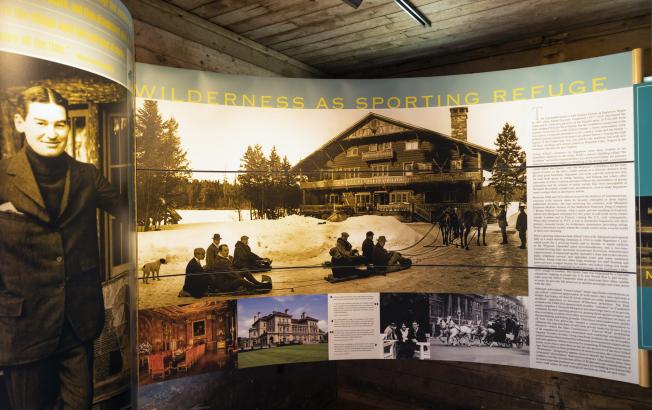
(479, 328)
(178, 341)
(404, 325)
(289, 329)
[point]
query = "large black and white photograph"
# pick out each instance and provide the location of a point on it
(404, 326)
(65, 170)
(329, 200)
(479, 328)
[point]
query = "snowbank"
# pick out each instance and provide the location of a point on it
(293, 240)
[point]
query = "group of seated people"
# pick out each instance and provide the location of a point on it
(405, 338)
(224, 273)
(345, 260)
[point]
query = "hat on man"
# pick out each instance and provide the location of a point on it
(345, 235)
(382, 238)
(244, 237)
(217, 236)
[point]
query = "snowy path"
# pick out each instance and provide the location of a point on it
(454, 279)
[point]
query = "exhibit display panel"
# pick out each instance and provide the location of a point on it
(487, 217)
(67, 247)
(497, 217)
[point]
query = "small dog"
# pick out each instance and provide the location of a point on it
(152, 269)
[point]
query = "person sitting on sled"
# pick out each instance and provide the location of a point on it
(196, 281)
(387, 260)
(244, 258)
(345, 259)
(368, 247)
(228, 279)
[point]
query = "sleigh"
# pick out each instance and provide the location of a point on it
(364, 271)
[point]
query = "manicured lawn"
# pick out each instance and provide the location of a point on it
(285, 354)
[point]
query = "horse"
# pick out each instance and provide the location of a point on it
(445, 227)
(460, 333)
(479, 333)
(444, 335)
(474, 218)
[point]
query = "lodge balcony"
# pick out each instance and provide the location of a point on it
(393, 180)
(377, 155)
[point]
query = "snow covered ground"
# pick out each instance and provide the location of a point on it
(293, 240)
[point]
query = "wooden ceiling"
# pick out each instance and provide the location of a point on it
(339, 40)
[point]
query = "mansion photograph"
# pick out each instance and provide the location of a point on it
(283, 329)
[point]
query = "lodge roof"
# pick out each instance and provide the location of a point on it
(402, 127)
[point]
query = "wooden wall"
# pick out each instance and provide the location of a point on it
(415, 385)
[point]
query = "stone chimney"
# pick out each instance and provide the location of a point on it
(303, 315)
(458, 122)
(286, 311)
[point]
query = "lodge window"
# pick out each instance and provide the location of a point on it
(399, 196)
(352, 152)
(411, 145)
(332, 199)
(379, 170)
(387, 146)
(352, 172)
(408, 168)
(456, 164)
(373, 147)
(363, 199)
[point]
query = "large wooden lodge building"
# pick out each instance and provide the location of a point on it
(381, 165)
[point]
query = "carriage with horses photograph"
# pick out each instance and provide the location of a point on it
(479, 328)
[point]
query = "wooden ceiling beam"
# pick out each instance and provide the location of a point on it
(466, 30)
(329, 19)
(188, 26)
(401, 28)
(278, 11)
(387, 24)
(213, 8)
(522, 52)
(157, 46)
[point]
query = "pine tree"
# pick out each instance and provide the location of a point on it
(508, 174)
(255, 180)
(158, 147)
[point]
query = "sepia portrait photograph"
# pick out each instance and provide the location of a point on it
(65, 168)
